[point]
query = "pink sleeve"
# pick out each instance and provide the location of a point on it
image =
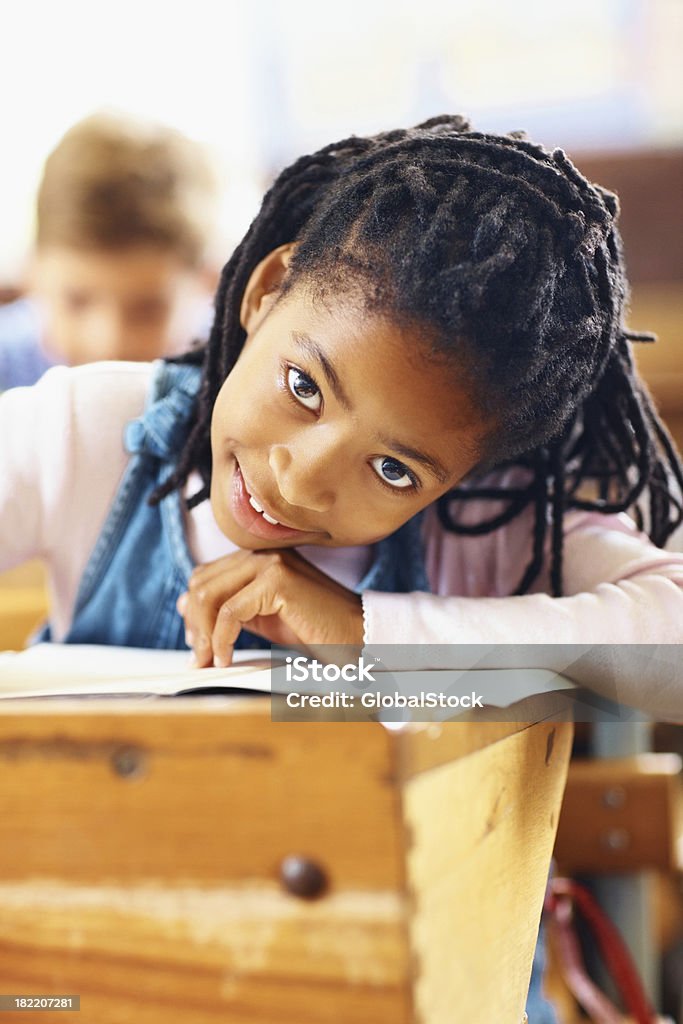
(619, 588)
(61, 459)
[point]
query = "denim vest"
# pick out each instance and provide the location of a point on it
(141, 563)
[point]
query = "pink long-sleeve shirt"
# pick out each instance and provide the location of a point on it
(62, 458)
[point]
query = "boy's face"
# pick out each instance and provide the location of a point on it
(137, 303)
(317, 421)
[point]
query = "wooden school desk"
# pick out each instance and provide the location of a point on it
(189, 859)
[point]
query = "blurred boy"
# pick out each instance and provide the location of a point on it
(119, 271)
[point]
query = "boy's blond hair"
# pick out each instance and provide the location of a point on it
(114, 182)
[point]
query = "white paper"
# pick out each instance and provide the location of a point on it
(80, 669)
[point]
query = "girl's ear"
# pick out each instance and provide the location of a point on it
(264, 285)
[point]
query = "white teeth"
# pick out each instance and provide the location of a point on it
(269, 519)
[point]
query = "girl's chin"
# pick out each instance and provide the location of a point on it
(248, 542)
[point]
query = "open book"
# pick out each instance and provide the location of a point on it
(66, 670)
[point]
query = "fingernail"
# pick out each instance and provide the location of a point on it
(192, 662)
(189, 638)
(220, 662)
(181, 603)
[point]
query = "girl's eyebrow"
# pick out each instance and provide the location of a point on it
(313, 350)
(428, 461)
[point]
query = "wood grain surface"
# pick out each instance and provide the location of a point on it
(142, 849)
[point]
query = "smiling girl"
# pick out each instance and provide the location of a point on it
(416, 420)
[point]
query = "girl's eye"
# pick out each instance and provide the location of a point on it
(393, 472)
(303, 388)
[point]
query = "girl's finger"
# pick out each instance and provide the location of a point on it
(232, 564)
(203, 652)
(261, 597)
(216, 592)
(208, 588)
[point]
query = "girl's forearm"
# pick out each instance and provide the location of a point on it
(607, 622)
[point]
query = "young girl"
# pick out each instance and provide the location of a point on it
(416, 420)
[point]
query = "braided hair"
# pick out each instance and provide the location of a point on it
(510, 264)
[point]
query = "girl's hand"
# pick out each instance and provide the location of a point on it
(277, 594)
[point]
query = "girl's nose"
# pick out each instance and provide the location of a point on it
(304, 481)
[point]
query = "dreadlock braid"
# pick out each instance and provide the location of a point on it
(510, 264)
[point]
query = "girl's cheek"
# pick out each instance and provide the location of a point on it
(242, 411)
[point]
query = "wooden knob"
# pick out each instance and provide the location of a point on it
(303, 877)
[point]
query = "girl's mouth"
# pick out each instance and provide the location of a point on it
(249, 515)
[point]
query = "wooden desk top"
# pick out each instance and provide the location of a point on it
(188, 721)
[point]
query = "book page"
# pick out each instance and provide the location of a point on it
(80, 669)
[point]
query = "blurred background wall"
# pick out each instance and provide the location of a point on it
(264, 80)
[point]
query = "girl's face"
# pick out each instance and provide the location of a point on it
(332, 424)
